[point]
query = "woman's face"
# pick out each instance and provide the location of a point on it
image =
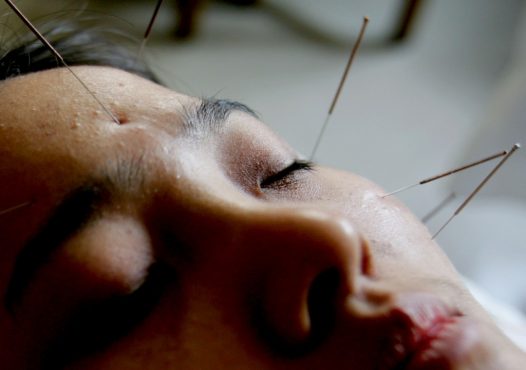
(191, 236)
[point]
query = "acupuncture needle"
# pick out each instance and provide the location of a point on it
(447, 173)
(477, 189)
(150, 27)
(46, 43)
(14, 208)
(340, 86)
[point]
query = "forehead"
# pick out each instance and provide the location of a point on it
(48, 118)
(55, 106)
(53, 98)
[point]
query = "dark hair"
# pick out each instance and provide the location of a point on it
(80, 41)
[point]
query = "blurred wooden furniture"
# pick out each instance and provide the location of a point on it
(188, 16)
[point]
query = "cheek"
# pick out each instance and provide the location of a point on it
(397, 238)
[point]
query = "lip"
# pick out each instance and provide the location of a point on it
(437, 349)
(426, 334)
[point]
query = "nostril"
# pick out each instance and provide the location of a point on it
(315, 260)
(322, 300)
(320, 305)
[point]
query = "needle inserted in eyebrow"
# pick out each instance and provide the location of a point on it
(150, 27)
(438, 208)
(477, 189)
(340, 86)
(447, 173)
(14, 208)
(41, 37)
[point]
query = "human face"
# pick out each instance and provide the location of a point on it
(190, 236)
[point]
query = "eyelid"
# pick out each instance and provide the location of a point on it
(297, 165)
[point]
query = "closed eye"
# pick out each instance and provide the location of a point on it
(280, 178)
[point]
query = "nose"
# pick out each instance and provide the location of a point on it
(304, 261)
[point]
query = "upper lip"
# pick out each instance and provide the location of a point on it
(415, 320)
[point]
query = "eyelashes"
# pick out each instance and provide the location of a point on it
(285, 177)
(94, 327)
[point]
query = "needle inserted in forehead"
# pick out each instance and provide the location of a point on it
(14, 208)
(447, 173)
(41, 37)
(340, 86)
(438, 208)
(149, 28)
(477, 189)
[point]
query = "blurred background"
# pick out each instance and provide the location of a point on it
(436, 84)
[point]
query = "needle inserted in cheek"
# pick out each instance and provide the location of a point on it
(447, 173)
(48, 45)
(340, 86)
(14, 208)
(477, 189)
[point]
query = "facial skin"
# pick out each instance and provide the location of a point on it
(241, 263)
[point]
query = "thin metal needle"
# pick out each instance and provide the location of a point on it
(41, 37)
(477, 189)
(438, 208)
(14, 208)
(149, 28)
(450, 172)
(340, 86)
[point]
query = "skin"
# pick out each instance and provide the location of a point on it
(242, 259)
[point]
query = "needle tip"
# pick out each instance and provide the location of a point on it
(366, 19)
(517, 146)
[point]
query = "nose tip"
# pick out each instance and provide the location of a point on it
(316, 259)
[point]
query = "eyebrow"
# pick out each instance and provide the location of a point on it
(210, 114)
